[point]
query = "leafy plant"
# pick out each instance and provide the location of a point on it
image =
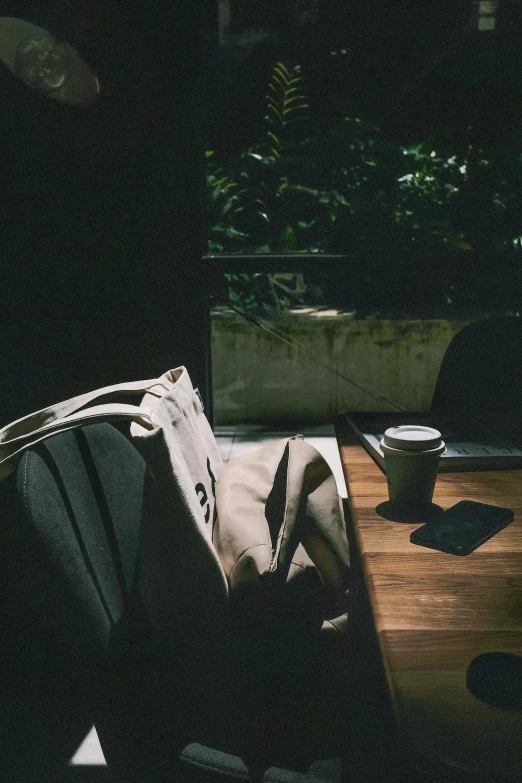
(266, 200)
(286, 104)
(417, 216)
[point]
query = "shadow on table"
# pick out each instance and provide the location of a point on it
(373, 754)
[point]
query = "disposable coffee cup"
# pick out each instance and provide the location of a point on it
(411, 458)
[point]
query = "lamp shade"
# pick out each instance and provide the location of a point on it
(45, 64)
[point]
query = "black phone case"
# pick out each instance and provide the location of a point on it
(428, 535)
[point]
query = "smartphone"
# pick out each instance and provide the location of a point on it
(462, 528)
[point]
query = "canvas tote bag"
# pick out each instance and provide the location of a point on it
(281, 538)
(181, 579)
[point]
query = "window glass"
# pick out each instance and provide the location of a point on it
(386, 133)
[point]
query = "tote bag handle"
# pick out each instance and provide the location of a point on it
(15, 438)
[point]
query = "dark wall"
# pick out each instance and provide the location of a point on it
(102, 208)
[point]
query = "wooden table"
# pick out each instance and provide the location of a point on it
(434, 613)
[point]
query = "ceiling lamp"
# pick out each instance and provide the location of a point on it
(45, 64)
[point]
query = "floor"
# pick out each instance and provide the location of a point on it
(232, 442)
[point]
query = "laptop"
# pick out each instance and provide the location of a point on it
(471, 443)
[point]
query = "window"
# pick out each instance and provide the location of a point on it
(365, 162)
(224, 11)
(486, 14)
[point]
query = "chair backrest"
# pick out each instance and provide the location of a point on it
(482, 368)
(71, 518)
(75, 628)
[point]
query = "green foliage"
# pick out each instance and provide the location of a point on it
(250, 196)
(308, 187)
(286, 104)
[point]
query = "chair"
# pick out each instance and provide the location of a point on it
(77, 648)
(482, 369)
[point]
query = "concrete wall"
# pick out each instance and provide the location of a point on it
(259, 379)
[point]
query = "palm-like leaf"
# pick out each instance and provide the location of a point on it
(286, 103)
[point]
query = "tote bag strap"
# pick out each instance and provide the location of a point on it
(34, 421)
(25, 432)
(11, 451)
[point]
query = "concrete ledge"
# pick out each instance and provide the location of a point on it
(301, 375)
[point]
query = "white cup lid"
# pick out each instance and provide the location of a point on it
(412, 437)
